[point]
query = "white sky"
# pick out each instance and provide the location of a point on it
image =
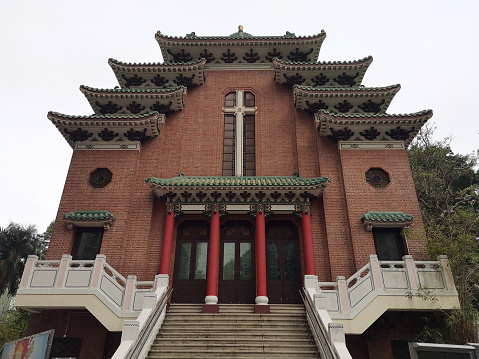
(49, 48)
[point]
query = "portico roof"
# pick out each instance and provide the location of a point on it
(134, 101)
(240, 47)
(344, 99)
(159, 75)
(241, 189)
(328, 74)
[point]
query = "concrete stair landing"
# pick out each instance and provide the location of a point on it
(235, 332)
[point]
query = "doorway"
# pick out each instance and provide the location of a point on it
(189, 279)
(283, 265)
(237, 280)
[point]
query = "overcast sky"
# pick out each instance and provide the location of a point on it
(49, 48)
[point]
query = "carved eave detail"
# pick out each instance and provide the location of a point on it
(386, 127)
(328, 74)
(353, 100)
(134, 102)
(111, 130)
(226, 50)
(159, 75)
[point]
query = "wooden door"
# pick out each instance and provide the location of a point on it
(189, 279)
(237, 282)
(283, 266)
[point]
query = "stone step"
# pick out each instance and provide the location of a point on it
(218, 318)
(274, 335)
(247, 342)
(240, 349)
(199, 327)
(234, 355)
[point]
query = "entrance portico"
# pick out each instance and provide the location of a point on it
(237, 259)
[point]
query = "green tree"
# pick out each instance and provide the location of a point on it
(447, 186)
(17, 242)
(13, 325)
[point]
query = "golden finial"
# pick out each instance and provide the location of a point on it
(240, 28)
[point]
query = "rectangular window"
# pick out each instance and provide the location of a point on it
(389, 244)
(87, 243)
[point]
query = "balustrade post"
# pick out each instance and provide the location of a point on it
(375, 271)
(411, 271)
(100, 261)
(343, 294)
(129, 292)
(62, 270)
(161, 281)
(28, 271)
(446, 271)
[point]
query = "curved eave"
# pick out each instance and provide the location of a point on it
(334, 72)
(219, 189)
(134, 101)
(216, 46)
(363, 127)
(159, 75)
(95, 124)
(309, 98)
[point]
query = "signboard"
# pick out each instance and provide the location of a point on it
(442, 351)
(36, 346)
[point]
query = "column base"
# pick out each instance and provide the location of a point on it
(211, 308)
(262, 309)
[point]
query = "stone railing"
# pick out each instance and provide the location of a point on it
(399, 284)
(59, 281)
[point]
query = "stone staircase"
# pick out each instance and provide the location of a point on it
(236, 332)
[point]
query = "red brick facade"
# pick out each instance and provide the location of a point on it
(191, 142)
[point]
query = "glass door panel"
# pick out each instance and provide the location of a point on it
(201, 260)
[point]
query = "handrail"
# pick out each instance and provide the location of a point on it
(145, 332)
(317, 328)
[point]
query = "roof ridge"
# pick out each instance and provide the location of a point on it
(365, 59)
(353, 115)
(127, 90)
(192, 62)
(94, 116)
(193, 36)
(351, 88)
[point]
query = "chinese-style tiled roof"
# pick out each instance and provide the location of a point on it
(107, 128)
(159, 75)
(281, 185)
(335, 73)
(386, 219)
(135, 101)
(240, 48)
(89, 215)
(344, 99)
(371, 127)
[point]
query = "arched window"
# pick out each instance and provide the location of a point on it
(239, 134)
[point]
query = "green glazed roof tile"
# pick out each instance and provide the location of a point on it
(240, 35)
(236, 181)
(352, 89)
(89, 215)
(166, 64)
(104, 117)
(389, 217)
(369, 115)
(287, 62)
(127, 91)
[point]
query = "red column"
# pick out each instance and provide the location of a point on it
(261, 291)
(167, 242)
(211, 299)
(308, 243)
